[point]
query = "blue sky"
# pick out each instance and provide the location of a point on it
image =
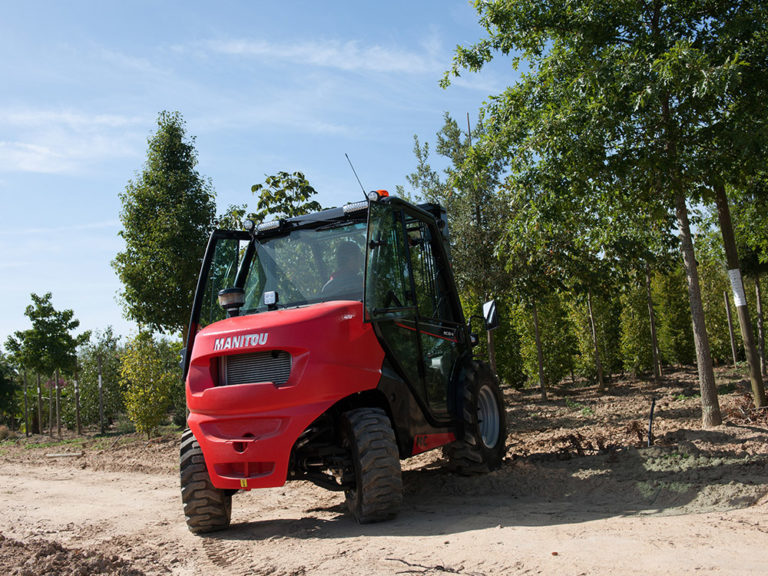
(263, 87)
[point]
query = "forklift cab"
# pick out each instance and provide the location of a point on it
(410, 300)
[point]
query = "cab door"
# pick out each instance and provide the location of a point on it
(222, 268)
(409, 299)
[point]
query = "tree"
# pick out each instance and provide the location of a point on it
(533, 256)
(48, 346)
(715, 285)
(102, 354)
(733, 134)
(149, 373)
(509, 360)
(9, 388)
(232, 218)
(624, 94)
(284, 195)
(739, 296)
(546, 338)
(750, 230)
(636, 355)
(675, 333)
(167, 216)
(476, 213)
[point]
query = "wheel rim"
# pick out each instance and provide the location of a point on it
(488, 417)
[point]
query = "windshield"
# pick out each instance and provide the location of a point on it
(307, 266)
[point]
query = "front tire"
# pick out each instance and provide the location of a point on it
(378, 491)
(482, 446)
(206, 507)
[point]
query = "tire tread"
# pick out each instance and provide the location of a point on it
(467, 456)
(379, 491)
(206, 508)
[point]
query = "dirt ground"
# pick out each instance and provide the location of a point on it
(580, 492)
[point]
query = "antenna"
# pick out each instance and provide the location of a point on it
(356, 176)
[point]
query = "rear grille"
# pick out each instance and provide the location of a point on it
(273, 366)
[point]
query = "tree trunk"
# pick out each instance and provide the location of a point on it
(739, 298)
(101, 400)
(710, 407)
(760, 331)
(539, 352)
(26, 407)
(730, 328)
(39, 406)
(50, 409)
(598, 363)
(652, 319)
(77, 404)
(58, 405)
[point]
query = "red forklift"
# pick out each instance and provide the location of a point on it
(328, 347)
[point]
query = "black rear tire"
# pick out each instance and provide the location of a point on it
(206, 507)
(482, 446)
(378, 491)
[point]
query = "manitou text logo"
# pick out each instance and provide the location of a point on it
(240, 341)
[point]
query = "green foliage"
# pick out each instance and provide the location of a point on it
(232, 218)
(104, 348)
(715, 285)
(149, 377)
(626, 111)
(609, 332)
(123, 425)
(178, 393)
(635, 345)
(557, 335)
(582, 408)
(748, 213)
(476, 214)
(606, 311)
(284, 195)
(167, 215)
(9, 388)
(425, 182)
(673, 317)
(509, 360)
(49, 344)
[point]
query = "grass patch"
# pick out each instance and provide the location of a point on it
(124, 426)
(68, 442)
(582, 408)
(727, 388)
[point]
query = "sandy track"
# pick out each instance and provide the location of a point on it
(579, 494)
(449, 525)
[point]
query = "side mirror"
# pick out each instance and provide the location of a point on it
(491, 315)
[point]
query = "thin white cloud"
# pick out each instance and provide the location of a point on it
(347, 56)
(64, 141)
(23, 157)
(130, 64)
(28, 118)
(114, 223)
